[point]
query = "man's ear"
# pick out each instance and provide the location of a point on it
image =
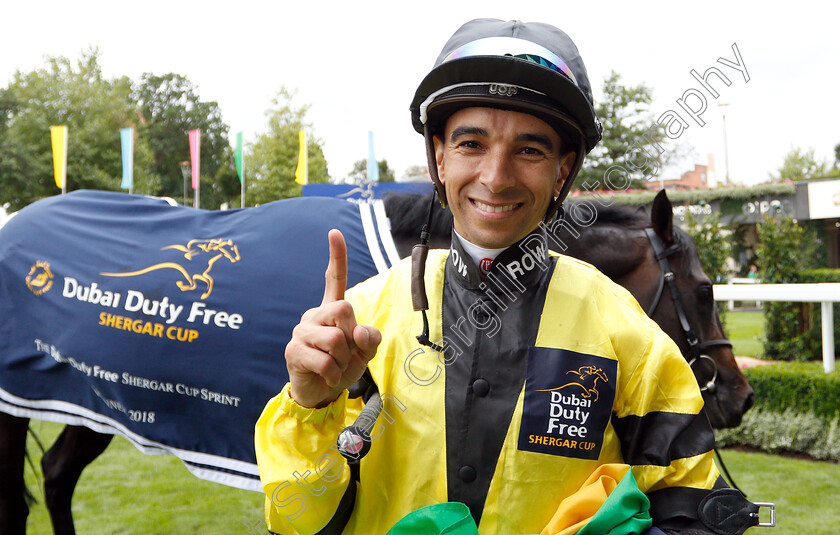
(566, 163)
(439, 145)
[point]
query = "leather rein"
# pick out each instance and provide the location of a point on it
(696, 349)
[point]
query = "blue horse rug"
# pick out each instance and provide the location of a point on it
(164, 324)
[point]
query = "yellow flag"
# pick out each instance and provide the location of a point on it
(302, 171)
(59, 148)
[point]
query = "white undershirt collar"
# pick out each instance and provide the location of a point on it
(478, 253)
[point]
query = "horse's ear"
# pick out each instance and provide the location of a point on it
(662, 217)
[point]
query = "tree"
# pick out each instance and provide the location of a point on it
(713, 246)
(169, 107)
(633, 147)
(780, 260)
(416, 173)
(92, 107)
(804, 165)
(359, 172)
(273, 157)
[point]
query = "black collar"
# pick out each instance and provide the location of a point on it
(523, 263)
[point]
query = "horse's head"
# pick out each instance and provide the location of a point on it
(687, 306)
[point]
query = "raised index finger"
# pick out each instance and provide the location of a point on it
(336, 275)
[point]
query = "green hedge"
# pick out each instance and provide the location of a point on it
(797, 409)
(820, 275)
(799, 386)
(697, 196)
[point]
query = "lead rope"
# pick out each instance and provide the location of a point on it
(726, 472)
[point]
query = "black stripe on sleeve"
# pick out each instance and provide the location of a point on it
(658, 438)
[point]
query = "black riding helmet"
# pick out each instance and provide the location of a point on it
(529, 67)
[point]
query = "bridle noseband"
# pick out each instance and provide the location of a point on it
(695, 347)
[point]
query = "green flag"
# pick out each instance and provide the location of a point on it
(626, 511)
(451, 518)
(238, 158)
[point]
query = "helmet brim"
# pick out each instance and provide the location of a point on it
(570, 106)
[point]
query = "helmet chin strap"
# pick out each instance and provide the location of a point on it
(431, 162)
(419, 299)
(557, 204)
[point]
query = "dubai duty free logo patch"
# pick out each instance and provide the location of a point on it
(568, 403)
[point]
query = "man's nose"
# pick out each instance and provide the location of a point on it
(497, 172)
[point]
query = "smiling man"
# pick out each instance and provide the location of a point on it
(539, 398)
(501, 170)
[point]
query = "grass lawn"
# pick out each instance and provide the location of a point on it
(804, 491)
(126, 492)
(744, 328)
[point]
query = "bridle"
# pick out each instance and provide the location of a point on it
(696, 348)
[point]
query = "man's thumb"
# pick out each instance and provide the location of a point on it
(367, 339)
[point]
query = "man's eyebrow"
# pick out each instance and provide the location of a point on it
(467, 131)
(541, 139)
(529, 137)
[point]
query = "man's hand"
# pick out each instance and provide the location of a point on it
(328, 351)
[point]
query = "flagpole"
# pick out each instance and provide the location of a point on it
(197, 191)
(243, 180)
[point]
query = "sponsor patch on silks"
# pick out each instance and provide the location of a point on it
(568, 402)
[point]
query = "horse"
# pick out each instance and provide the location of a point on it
(649, 256)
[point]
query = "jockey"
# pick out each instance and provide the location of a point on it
(539, 397)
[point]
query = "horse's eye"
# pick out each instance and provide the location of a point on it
(705, 293)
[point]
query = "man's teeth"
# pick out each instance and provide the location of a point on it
(488, 208)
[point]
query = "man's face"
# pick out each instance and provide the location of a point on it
(501, 169)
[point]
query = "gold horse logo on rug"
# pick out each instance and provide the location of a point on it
(215, 248)
(586, 378)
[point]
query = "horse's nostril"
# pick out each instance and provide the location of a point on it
(748, 403)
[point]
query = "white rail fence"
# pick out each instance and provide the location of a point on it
(824, 293)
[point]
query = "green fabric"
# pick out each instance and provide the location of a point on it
(626, 511)
(451, 518)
